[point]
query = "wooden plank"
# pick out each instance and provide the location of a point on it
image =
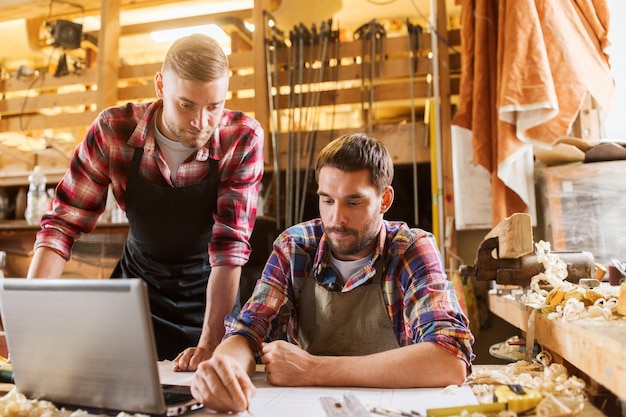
(175, 23)
(108, 53)
(30, 122)
(145, 73)
(515, 236)
(245, 104)
(136, 93)
(596, 348)
(25, 105)
(386, 92)
(261, 105)
(139, 71)
(447, 187)
(395, 43)
(239, 60)
(397, 68)
(49, 82)
(239, 82)
(510, 310)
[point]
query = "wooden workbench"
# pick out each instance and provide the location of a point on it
(596, 348)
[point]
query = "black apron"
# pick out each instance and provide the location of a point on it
(167, 246)
(351, 323)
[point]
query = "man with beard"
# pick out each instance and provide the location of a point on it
(186, 171)
(365, 301)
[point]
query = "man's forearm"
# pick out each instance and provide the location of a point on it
(46, 263)
(221, 293)
(239, 348)
(413, 366)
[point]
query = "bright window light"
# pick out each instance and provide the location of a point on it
(212, 30)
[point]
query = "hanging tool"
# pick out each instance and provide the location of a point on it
(271, 68)
(371, 35)
(304, 37)
(324, 37)
(336, 60)
(414, 36)
(293, 58)
(307, 118)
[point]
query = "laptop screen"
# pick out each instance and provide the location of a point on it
(82, 342)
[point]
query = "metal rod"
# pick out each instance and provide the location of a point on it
(411, 46)
(324, 37)
(438, 197)
(273, 127)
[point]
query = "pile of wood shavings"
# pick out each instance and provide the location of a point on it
(567, 300)
(563, 394)
(15, 404)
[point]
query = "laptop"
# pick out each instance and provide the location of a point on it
(87, 343)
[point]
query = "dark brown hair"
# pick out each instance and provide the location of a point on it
(355, 152)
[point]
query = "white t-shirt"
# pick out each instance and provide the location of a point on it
(347, 268)
(174, 153)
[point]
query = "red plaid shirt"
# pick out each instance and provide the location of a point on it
(104, 157)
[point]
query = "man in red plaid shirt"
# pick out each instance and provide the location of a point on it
(186, 171)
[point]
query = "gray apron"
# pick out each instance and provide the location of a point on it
(167, 246)
(352, 323)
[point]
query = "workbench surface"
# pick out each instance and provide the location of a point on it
(595, 347)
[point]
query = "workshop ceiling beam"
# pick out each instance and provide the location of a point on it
(31, 9)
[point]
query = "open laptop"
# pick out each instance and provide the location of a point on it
(86, 343)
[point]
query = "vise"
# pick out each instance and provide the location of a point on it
(507, 256)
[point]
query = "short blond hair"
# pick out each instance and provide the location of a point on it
(196, 57)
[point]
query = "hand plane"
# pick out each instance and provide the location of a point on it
(507, 255)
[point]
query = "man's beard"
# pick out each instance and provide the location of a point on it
(348, 249)
(194, 142)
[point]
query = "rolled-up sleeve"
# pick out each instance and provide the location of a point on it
(240, 171)
(431, 308)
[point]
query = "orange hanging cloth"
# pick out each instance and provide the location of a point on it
(527, 67)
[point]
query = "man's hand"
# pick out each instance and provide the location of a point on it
(289, 365)
(190, 358)
(221, 384)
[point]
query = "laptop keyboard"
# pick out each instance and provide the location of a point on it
(176, 394)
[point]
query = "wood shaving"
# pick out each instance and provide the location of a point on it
(509, 350)
(551, 379)
(15, 404)
(566, 300)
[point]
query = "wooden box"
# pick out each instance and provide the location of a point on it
(584, 208)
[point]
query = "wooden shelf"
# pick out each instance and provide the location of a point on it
(597, 348)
